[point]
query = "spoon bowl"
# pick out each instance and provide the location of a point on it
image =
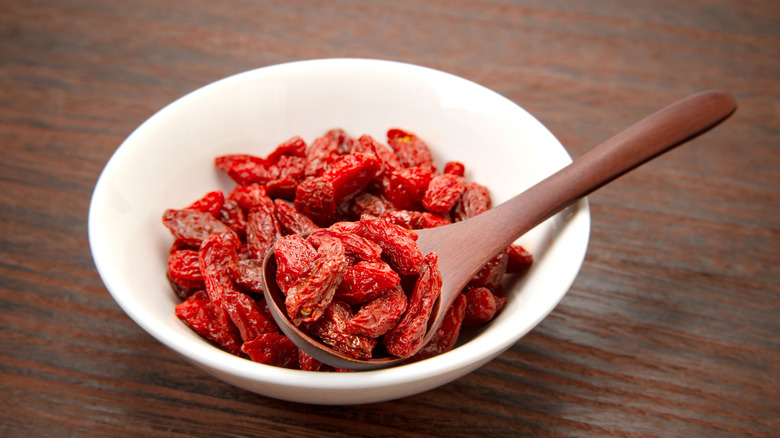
(497, 228)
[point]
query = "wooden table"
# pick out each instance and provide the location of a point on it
(671, 328)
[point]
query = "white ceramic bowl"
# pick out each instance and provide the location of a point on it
(169, 161)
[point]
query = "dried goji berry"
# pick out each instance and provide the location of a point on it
(350, 174)
(308, 363)
(482, 306)
(309, 295)
(474, 200)
(345, 143)
(315, 198)
(491, 274)
(290, 220)
(415, 220)
(331, 329)
(410, 149)
(377, 316)
(210, 203)
(192, 226)
(405, 339)
(217, 255)
(320, 155)
(443, 193)
(399, 246)
(247, 274)
(347, 227)
(366, 281)
(244, 169)
(294, 147)
(388, 160)
(234, 217)
(249, 196)
(272, 349)
(209, 321)
(262, 228)
(184, 269)
(455, 168)
(367, 203)
(285, 175)
(446, 336)
(405, 188)
(354, 245)
(292, 254)
(520, 260)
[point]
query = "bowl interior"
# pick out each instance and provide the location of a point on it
(169, 161)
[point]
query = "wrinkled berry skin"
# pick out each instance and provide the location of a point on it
(309, 295)
(405, 339)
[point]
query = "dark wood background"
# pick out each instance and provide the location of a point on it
(671, 329)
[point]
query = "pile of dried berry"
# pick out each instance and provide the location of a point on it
(359, 280)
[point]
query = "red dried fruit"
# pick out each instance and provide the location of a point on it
(184, 269)
(454, 168)
(272, 349)
(210, 203)
(285, 175)
(262, 229)
(443, 193)
(294, 147)
(244, 169)
(192, 226)
(378, 316)
(399, 246)
(368, 145)
(482, 306)
(367, 203)
(290, 220)
(350, 174)
(308, 363)
(234, 217)
(217, 255)
(292, 254)
(309, 295)
(410, 149)
(345, 143)
(347, 227)
(416, 220)
(354, 245)
(316, 198)
(331, 329)
(520, 260)
(320, 155)
(248, 197)
(405, 188)
(491, 274)
(405, 339)
(474, 200)
(209, 321)
(247, 274)
(446, 336)
(366, 281)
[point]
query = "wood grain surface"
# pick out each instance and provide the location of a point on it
(671, 328)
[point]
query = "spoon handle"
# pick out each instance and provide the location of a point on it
(641, 142)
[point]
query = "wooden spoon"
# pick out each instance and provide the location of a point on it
(489, 233)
